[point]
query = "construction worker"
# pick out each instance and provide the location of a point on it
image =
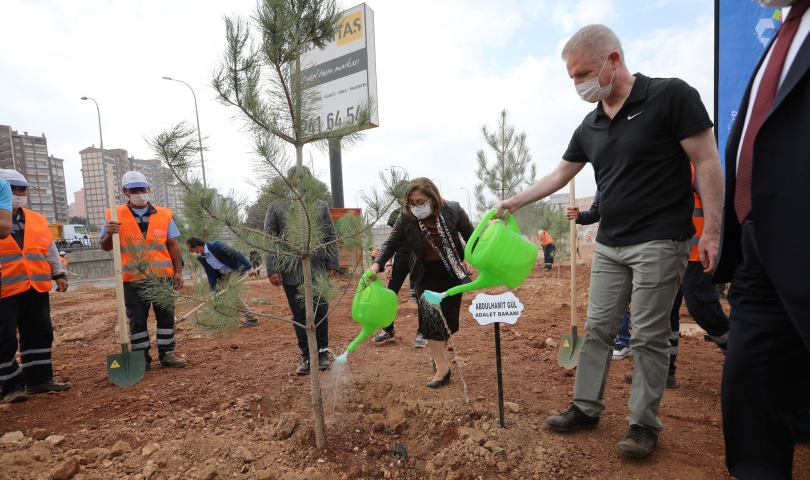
(220, 261)
(63, 259)
(30, 262)
(547, 244)
(148, 245)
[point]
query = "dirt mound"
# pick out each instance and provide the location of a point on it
(238, 409)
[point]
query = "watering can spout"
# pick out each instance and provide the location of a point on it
(365, 332)
(484, 280)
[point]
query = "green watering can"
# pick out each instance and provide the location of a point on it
(501, 254)
(374, 307)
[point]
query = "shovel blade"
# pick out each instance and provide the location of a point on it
(126, 369)
(568, 356)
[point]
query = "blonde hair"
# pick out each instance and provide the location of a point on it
(426, 186)
(595, 42)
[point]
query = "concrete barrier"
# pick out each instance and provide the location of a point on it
(91, 264)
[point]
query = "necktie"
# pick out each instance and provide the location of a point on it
(764, 99)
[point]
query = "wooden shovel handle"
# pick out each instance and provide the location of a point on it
(123, 332)
(573, 203)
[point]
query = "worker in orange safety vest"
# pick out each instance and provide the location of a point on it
(30, 264)
(148, 239)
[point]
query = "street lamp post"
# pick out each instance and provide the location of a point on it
(469, 206)
(199, 135)
(101, 139)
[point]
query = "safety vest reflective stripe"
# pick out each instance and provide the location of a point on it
(27, 267)
(137, 248)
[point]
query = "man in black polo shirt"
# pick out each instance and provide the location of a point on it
(640, 139)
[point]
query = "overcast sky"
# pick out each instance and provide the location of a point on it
(444, 69)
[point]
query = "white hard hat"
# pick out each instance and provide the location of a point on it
(13, 177)
(62, 253)
(134, 180)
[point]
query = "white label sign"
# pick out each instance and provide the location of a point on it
(559, 199)
(344, 72)
(504, 308)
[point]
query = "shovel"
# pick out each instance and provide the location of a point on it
(125, 368)
(570, 344)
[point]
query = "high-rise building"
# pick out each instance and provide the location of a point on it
(28, 154)
(163, 192)
(94, 175)
(77, 208)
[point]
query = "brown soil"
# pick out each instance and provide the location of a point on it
(220, 416)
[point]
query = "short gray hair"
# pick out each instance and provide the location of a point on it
(595, 42)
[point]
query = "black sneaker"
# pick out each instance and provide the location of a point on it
(303, 367)
(638, 442)
(323, 361)
(571, 419)
(384, 336)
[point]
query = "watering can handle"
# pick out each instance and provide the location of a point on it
(511, 222)
(364, 283)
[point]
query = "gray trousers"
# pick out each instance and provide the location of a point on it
(648, 275)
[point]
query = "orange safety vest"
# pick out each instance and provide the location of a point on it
(64, 262)
(29, 267)
(697, 220)
(545, 239)
(135, 248)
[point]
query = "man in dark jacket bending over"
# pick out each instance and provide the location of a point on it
(220, 261)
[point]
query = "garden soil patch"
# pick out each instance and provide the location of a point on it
(239, 411)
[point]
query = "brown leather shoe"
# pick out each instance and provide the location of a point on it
(170, 360)
(638, 442)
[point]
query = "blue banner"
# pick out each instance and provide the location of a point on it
(744, 29)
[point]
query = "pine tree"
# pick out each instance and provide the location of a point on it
(259, 78)
(511, 170)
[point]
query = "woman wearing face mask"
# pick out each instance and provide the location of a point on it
(433, 228)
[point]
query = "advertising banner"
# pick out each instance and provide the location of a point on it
(344, 72)
(744, 29)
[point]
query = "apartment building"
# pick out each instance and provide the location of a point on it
(164, 192)
(77, 208)
(28, 154)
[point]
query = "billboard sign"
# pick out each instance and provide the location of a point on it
(744, 30)
(344, 72)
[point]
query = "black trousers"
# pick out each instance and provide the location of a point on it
(299, 315)
(28, 313)
(399, 272)
(137, 312)
(702, 300)
(548, 254)
(703, 304)
(766, 369)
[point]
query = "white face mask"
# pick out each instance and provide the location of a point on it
(196, 254)
(776, 3)
(18, 201)
(139, 199)
(421, 211)
(591, 91)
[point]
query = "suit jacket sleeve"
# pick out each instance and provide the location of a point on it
(227, 255)
(272, 227)
(591, 215)
(212, 274)
(332, 261)
(390, 246)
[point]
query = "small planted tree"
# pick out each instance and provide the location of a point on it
(511, 170)
(259, 78)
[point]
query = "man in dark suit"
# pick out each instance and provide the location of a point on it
(220, 261)
(762, 245)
